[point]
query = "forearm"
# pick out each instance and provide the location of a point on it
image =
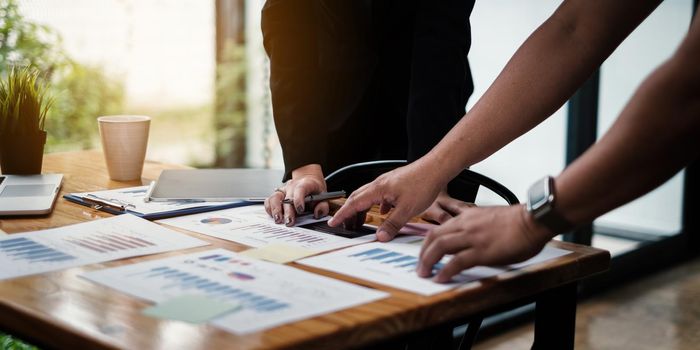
(544, 72)
(656, 135)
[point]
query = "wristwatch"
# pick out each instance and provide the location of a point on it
(541, 200)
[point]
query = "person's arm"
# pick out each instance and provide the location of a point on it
(290, 39)
(543, 73)
(440, 85)
(656, 134)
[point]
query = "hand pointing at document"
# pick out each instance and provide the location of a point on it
(409, 190)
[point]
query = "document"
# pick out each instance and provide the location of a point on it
(92, 242)
(269, 294)
(394, 264)
(132, 200)
(252, 226)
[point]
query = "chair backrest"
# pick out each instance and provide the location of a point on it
(463, 187)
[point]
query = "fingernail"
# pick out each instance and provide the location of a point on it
(331, 222)
(300, 209)
(288, 220)
(277, 218)
(421, 270)
(383, 236)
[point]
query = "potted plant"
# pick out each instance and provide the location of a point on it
(24, 103)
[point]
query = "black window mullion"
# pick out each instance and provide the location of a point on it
(582, 132)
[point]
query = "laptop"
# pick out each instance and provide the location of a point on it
(214, 185)
(28, 194)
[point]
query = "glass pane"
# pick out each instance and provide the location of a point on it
(498, 29)
(658, 212)
(159, 55)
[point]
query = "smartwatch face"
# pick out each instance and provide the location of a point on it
(538, 195)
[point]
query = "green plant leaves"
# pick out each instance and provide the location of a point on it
(24, 102)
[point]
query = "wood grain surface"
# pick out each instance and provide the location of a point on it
(60, 309)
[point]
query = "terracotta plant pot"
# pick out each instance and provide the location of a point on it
(22, 154)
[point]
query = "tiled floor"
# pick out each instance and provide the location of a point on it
(661, 311)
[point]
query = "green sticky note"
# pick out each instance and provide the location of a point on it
(190, 308)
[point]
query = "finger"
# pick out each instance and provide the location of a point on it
(460, 262)
(275, 202)
(359, 201)
(436, 214)
(454, 206)
(436, 232)
(432, 253)
(356, 221)
(288, 208)
(321, 209)
(385, 207)
(393, 223)
(304, 189)
(266, 204)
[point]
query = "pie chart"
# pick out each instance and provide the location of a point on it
(215, 221)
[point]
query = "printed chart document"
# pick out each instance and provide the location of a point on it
(394, 264)
(269, 294)
(252, 226)
(96, 241)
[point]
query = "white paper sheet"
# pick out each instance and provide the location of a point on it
(394, 264)
(91, 242)
(270, 294)
(133, 199)
(252, 226)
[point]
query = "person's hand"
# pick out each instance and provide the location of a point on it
(305, 180)
(444, 208)
(409, 190)
(487, 236)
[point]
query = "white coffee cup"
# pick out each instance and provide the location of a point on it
(124, 142)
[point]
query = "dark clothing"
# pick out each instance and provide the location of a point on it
(361, 80)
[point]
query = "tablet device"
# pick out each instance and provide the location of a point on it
(214, 185)
(28, 194)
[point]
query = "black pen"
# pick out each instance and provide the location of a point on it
(318, 197)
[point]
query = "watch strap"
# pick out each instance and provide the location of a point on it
(555, 222)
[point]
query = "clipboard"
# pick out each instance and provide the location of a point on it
(114, 202)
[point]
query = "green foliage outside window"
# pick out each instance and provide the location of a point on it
(81, 92)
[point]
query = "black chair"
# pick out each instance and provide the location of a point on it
(464, 187)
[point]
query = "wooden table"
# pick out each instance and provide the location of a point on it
(60, 309)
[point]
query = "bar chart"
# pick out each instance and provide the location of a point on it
(187, 282)
(396, 260)
(110, 242)
(30, 251)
